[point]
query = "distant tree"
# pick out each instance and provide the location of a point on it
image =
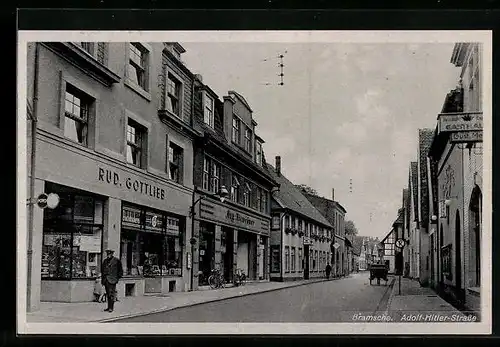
(307, 189)
(350, 228)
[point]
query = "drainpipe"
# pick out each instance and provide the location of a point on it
(31, 201)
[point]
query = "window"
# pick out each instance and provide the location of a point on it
(209, 111)
(275, 259)
(287, 259)
(235, 185)
(215, 178)
(72, 234)
(258, 198)
(135, 139)
(300, 225)
(316, 261)
(248, 140)
(206, 173)
(175, 169)
(301, 260)
(293, 259)
(98, 50)
(263, 206)
(173, 99)
(150, 243)
(258, 152)
(287, 221)
(76, 112)
(137, 67)
(236, 130)
(246, 194)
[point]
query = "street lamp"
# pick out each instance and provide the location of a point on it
(222, 194)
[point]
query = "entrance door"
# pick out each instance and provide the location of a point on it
(261, 261)
(432, 261)
(242, 257)
(306, 262)
(458, 256)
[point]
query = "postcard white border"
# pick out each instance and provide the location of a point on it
(483, 327)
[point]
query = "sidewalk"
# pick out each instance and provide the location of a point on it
(420, 304)
(58, 312)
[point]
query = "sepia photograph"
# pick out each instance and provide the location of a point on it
(259, 182)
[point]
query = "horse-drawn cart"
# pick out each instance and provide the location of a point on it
(378, 271)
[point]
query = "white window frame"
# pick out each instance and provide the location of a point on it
(258, 152)
(146, 142)
(180, 165)
(215, 170)
(92, 121)
(128, 81)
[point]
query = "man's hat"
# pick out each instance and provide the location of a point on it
(110, 251)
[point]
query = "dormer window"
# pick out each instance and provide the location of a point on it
(209, 110)
(258, 152)
(98, 50)
(236, 130)
(248, 140)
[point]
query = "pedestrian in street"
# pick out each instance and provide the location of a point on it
(328, 270)
(112, 271)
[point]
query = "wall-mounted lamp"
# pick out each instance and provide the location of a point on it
(447, 202)
(434, 219)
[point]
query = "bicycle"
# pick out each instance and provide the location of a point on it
(216, 279)
(239, 277)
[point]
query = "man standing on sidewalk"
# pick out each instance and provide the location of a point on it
(112, 271)
(328, 269)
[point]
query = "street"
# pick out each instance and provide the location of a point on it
(331, 301)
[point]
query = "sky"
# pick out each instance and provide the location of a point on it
(346, 111)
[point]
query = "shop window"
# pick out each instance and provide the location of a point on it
(151, 243)
(287, 259)
(293, 260)
(275, 259)
(72, 235)
(76, 114)
(175, 163)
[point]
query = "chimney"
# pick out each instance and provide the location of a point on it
(333, 194)
(278, 165)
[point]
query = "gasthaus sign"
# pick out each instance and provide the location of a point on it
(458, 122)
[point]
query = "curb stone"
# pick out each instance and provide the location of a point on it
(391, 296)
(133, 315)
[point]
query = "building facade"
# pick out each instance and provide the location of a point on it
(335, 213)
(414, 239)
(230, 235)
(456, 160)
(103, 145)
(300, 234)
(389, 247)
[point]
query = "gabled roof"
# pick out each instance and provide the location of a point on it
(399, 219)
(242, 99)
(291, 198)
(425, 138)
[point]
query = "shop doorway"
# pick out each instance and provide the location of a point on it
(306, 262)
(206, 252)
(227, 249)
